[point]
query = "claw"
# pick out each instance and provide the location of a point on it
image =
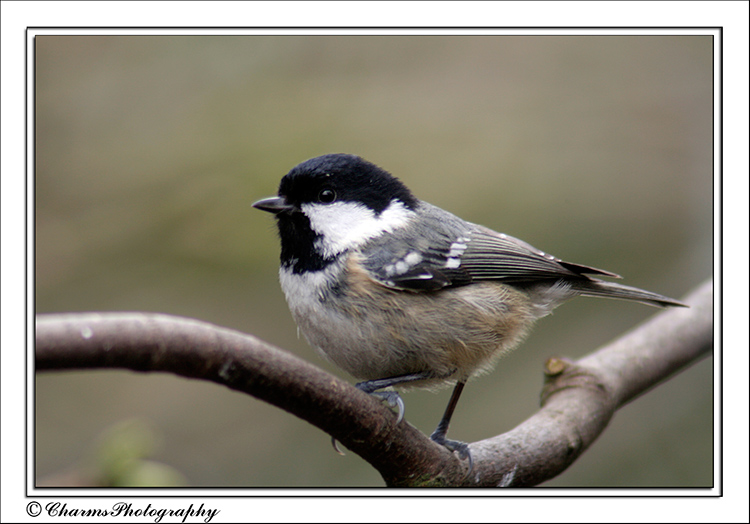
(460, 448)
(394, 400)
(391, 397)
(336, 447)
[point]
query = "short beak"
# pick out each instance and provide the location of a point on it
(274, 205)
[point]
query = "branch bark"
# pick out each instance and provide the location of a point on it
(578, 399)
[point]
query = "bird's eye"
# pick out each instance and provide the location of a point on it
(326, 196)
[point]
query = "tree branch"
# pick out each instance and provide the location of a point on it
(578, 398)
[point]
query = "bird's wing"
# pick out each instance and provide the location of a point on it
(449, 252)
(496, 256)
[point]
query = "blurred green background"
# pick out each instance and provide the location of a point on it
(150, 150)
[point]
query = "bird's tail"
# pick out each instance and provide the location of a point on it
(599, 288)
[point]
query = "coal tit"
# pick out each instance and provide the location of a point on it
(398, 292)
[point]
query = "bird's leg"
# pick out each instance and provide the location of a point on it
(442, 429)
(391, 397)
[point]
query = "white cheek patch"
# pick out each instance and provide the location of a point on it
(347, 225)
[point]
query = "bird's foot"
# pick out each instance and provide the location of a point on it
(393, 399)
(460, 448)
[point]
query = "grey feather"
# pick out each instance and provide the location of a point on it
(453, 252)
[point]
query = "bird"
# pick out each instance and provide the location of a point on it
(400, 293)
